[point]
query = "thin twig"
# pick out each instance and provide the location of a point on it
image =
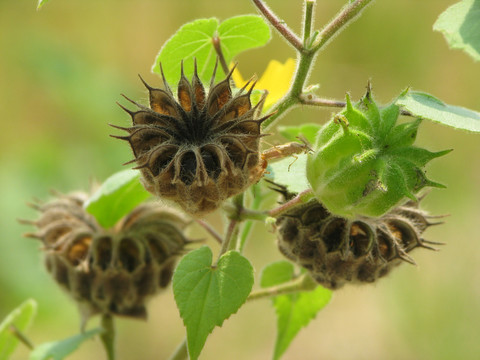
(307, 21)
(210, 230)
(302, 283)
(309, 99)
(278, 24)
(218, 49)
(297, 200)
(231, 230)
(338, 23)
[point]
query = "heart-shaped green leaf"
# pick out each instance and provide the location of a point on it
(194, 41)
(294, 311)
(20, 318)
(116, 197)
(206, 295)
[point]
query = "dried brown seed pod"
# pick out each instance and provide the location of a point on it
(337, 251)
(109, 271)
(199, 150)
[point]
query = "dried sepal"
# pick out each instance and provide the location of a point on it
(114, 271)
(337, 250)
(200, 149)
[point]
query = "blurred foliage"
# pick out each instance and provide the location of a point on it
(63, 69)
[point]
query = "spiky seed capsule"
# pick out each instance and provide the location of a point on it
(109, 272)
(199, 150)
(364, 163)
(337, 251)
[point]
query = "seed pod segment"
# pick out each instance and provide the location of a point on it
(200, 148)
(115, 271)
(337, 251)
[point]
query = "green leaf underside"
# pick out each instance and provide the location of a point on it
(41, 3)
(460, 25)
(428, 107)
(293, 311)
(293, 133)
(290, 172)
(207, 295)
(194, 41)
(116, 197)
(21, 318)
(59, 350)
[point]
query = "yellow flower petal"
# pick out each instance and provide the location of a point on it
(276, 80)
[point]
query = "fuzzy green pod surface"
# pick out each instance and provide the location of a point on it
(365, 163)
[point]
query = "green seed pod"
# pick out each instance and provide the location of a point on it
(109, 271)
(337, 251)
(365, 164)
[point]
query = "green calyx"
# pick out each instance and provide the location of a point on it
(365, 164)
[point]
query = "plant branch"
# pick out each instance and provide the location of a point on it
(210, 230)
(307, 22)
(108, 336)
(278, 24)
(218, 50)
(339, 22)
(302, 283)
(313, 100)
(181, 352)
(230, 234)
(301, 198)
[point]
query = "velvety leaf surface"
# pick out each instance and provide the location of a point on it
(194, 41)
(116, 197)
(460, 24)
(20, 318)
(428, 107)
(290, 172)
(207, 295)
(58, 350)
(294, 311)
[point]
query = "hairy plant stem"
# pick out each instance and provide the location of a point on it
(306, 50)
(347, 14)
(301, 198)
(108, 336)
(248, 225)
(278, 24)
(310, 99)
(210, 230)
(302, 283)
(181, 352)
(218, 49)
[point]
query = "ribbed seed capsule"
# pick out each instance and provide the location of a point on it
(199, 150)
(109, 272)
(337, 251)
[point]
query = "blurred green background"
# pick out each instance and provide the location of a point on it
(63, 68)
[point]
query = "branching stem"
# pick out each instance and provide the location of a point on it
(302, 283)
(306, 50)
(278, 24)
(210, 230)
